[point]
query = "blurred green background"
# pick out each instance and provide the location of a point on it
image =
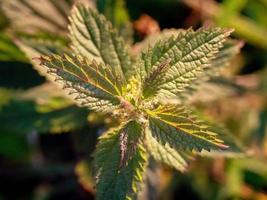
(46, 141)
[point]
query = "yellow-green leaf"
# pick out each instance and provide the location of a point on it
(182, 130)
(90, 84)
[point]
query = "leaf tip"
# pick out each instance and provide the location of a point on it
(39, 58)
(240, 44)
(228, 31)
(223, 146)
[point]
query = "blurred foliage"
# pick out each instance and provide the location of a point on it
(13, 144)
(229, 14)
(116, 12)
(29, 116)
(8, 50)
(36, 163)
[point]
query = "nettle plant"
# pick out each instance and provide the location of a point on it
(142, 93)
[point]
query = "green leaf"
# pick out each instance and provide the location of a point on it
(93, 37)
(164, 153)
(182, 130)
(229, 50)
(172, 65)
(221, 60)
(90, 84)
(120, 160)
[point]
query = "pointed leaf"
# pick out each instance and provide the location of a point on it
(186, 55)
(91, 85)
(93, 37)
(119, 168)
(182, 130)
(222, 59)
(235, 150)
